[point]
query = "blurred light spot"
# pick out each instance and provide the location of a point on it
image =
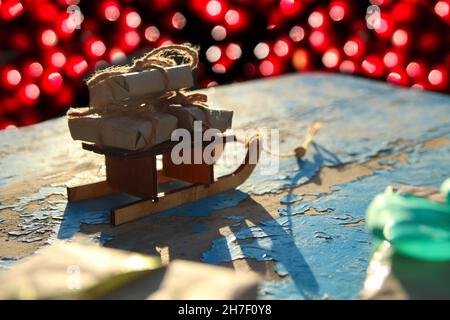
(261, 50)
(54, 81)
(287, 4)
(373, 66)
(133, 19)
(32, 91)
(178, 21)
(218, 33)
(165, 42)
(58, 59)
(317, 38)
(49, 38)
(13, 77)
(132, 38)
(213, 54)
(266, 68)
(413, 69)
(337, 12)
(117, 56)
(330, 59)
(373, 17)
(297, 33)
(382, 26)
(112, 12)
(14, 9)
(390, 59)
(233, 51)
(152, 33)
(347, 66)
(315, 19)
(35, 69)
(442, 9)
(369, 66)
(211, 84)
(300, 59)
(281, 48)
(80, 67)
(214, 8)
(351, 48)
(68, 25)
(435, 77)
(400, 38)
(101, 64)
(98, 48)
(418, 86)
(219, 68)
(232, 17)
(394, 78)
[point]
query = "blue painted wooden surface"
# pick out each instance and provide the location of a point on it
(316, 256)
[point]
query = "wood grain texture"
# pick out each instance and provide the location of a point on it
(166, 201)
(88, 191)
(191, 172)
(133, 176)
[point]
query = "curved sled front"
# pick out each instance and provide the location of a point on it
(191, 193)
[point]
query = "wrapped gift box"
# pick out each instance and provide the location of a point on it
(122, 87)
(218, 119)
(82, 270)
(129, 132)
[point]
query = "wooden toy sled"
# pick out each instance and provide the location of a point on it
(136, 173)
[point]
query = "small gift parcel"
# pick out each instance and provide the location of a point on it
(136, 107)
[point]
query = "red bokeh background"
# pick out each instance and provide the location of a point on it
(48, 48)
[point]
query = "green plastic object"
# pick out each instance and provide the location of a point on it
(414, 226)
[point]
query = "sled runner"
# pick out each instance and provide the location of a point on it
(136, 173)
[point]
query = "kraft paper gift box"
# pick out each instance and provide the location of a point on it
(122, 131)
(82, 270)
(218, 119)
(122, 87)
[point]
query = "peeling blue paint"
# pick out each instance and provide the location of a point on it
(202, 208)
(377, 114)
(388, 162)
(6, 263)
(60, 218)
(235, 217)
(93, 211)
(290, 198)
(314, 266)
(199, 228)
(101, 239)
(320, 256)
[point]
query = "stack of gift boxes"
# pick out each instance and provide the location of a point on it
(130, 130)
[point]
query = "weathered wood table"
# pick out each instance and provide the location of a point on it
(302, 227)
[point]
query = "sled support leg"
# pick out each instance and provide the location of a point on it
(191, 172)
(133, 176)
